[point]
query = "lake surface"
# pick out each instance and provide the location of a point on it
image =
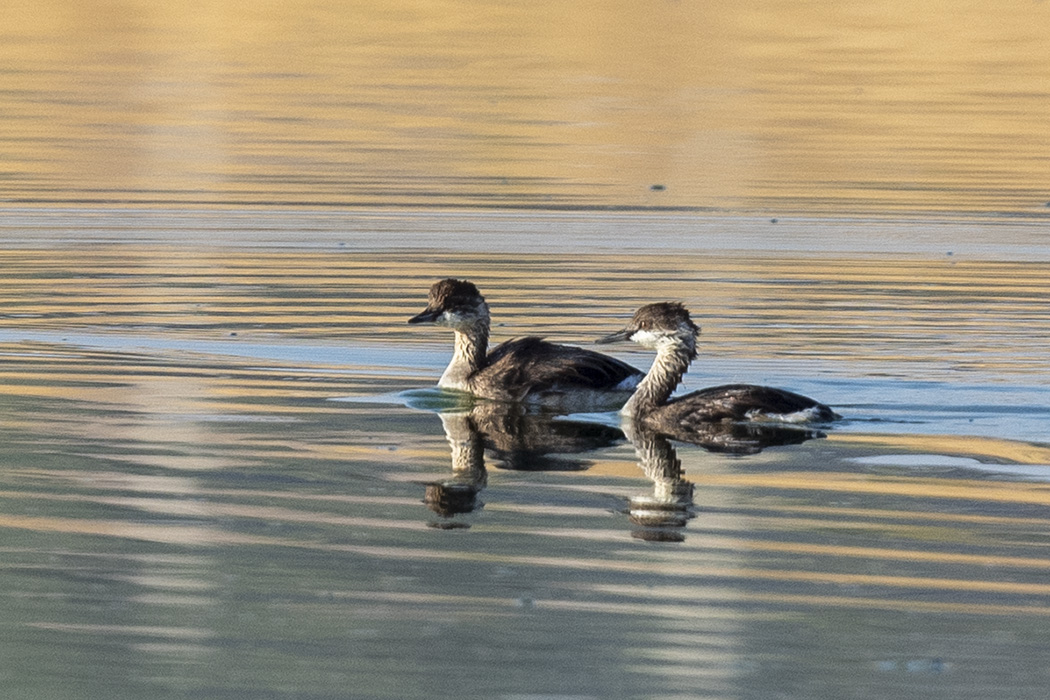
(848, 108)
(227, 473)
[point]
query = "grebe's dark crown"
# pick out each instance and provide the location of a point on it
(662, 316)
(452, 302)
(453, 292)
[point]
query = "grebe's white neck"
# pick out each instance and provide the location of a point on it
(468, 356)
(673, 355)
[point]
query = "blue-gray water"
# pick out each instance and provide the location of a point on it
(225, 476)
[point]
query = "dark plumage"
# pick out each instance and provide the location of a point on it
(529, 370)
(737, 402)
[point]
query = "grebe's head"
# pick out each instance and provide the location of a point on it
(453, 303)
(657, 326)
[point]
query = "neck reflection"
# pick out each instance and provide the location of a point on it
(661, 516)
(511, 438)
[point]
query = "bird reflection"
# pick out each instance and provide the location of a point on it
(662, 516)
(739, 438)
(451, 497)
(514, 439)
(511, 437)
(524, 441)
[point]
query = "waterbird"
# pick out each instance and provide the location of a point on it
(667, 328)
(526, 370)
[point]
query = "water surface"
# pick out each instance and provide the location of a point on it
(784, 107)
(225, 475)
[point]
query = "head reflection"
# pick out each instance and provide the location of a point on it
(663, 515)
(507, 436)
(512, 438)
(459, 494)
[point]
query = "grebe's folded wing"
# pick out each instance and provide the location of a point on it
(531, 364)
(738, 402)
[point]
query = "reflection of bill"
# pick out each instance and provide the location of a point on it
(662, 515)
(515, 439)
(457, 495)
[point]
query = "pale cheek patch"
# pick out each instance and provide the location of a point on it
(647, 339)
(451, 319)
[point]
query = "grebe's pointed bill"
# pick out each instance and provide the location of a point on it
(427, 316)
(617, 337)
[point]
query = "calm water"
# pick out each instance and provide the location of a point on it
(226, 473)
(851, 108)
(225, 476)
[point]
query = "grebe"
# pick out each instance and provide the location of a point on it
(527, 370)
(667, 328)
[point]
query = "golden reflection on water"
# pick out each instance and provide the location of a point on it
(712, 569)
(947, 314)
(1005, 450)
(847, 108)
